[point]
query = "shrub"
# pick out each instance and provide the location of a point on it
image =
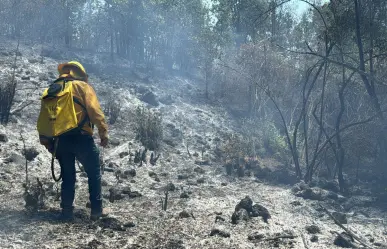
(113, 108)
(148, 127)
(7, 94)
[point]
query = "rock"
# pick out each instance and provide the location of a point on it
(112, 165)
(344, 240)
(256, 236)
(130, 172)
(185, 214)
(313, 229)
(111, 223)
(95, 244)
(314, 238)
(246, 203)
(340, 217)
(182, 177)
(219, 218)
(115, 194)
(114, 141)
(295, 203)
(171, 187)
(134, 194)
(152, 174)
(3, 138)
(199, 170)
(184, 195)
(30, 153)
(124, 154)
(218, 232)
(150, 98)
(224, 184)
(259, 210)
(240, 215)
(129, 224)
(25, 77)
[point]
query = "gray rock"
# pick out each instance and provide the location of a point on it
(259, 210)
(313, 229)
(246, 203)
(114, 142)
(134, 194)
(130, 172)
(185, 214)
(314, 238)
(3, 138)
(240, 215)
(221, 233)
(124, 154)
(31, 153)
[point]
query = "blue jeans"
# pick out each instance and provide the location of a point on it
(83, 148)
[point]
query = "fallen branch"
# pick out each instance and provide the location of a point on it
(350, 233)
(281, 237)
(25, 156)
(21, 106)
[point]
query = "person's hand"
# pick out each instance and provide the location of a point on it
(104, 141)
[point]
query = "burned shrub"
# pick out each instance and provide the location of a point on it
(238, 156)
(112, 108)
(7, 94)
(148, 128)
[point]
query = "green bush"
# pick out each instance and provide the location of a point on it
(148, 127)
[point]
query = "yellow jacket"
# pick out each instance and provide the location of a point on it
(86, 95)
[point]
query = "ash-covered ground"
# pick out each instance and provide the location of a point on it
(202, 204)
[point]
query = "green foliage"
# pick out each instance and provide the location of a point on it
(148, 127)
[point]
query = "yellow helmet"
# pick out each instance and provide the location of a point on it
(75, 64)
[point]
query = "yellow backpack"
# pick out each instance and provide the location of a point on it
(57, 114)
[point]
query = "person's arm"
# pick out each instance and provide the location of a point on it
(95, 114)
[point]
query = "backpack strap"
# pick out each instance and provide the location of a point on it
(86, 118)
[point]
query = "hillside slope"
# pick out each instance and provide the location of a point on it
(201, 198)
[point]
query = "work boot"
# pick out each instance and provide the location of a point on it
(96, 215)
(66, 215)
